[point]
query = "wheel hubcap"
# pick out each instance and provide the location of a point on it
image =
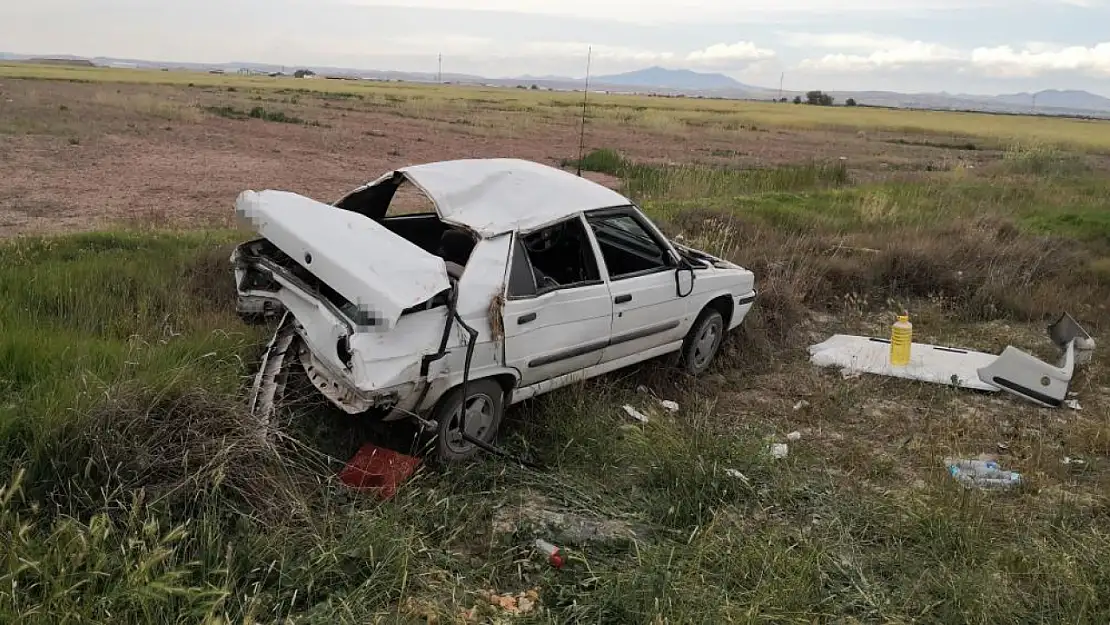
(479, 419)
(706, 345)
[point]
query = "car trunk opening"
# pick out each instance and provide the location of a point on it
(368, 272)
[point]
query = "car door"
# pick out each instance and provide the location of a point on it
(555, 329)
(647, 309)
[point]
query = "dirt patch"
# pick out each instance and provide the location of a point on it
(85, 156)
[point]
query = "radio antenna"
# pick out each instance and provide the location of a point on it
(585, 98)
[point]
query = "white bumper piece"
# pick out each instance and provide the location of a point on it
(1012, 371)
(928, 363)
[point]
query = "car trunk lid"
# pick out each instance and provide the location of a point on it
(359, 258)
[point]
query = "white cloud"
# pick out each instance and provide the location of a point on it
(867, 52)
(659, 12)
(867, 42)
(600, 52)
(1035, 60)
(729, 54)
(721, 55)
(904, 54)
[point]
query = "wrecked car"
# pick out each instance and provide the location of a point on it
(523, 279)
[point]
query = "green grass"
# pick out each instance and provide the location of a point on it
(258, 112)
(122, 368)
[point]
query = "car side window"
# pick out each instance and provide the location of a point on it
(559, 256)
(522, 282)
(628, 247)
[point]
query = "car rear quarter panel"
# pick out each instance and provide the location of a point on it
(480, 298)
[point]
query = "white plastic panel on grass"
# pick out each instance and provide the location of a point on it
(928, 363)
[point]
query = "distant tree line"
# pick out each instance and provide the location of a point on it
(819, 98)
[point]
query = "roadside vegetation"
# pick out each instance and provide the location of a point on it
(136, 489)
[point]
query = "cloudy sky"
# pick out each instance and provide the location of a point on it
(970, 46)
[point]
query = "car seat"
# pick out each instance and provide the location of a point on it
(455, 248)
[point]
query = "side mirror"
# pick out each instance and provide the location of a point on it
(684, 278)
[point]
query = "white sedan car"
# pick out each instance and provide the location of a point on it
(525, 278)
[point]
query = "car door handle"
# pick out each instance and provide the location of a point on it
(620, 299)
(526, 318)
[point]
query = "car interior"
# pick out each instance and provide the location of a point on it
(424, 228)
(555, 257)
(559, 255)
(627, 247)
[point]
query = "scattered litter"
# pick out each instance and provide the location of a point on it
(378, 469)
(800, 405)
(520, 603)
(551, 551)
(848, 374)
(1068, 460)
(643, 389)
(535, 515)
(855, 355)
(1003, 447)
(779, 450)
(981, 473)
(668, 405)
(1073, 404)
(1012, 371)
(794, 436)
(635, 414)
(738, 475)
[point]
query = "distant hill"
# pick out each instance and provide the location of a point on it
(664, 78)
(1055, 98)
(659, 80)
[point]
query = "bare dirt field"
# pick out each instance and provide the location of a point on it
(83, 155)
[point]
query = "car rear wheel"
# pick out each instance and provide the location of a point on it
(703, 342)
(485, 403)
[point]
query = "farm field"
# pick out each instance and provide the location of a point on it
(136, 490)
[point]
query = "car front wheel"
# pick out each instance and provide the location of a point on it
(703, 342)
(484, 407)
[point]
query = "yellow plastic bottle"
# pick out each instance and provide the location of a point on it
(901, 337)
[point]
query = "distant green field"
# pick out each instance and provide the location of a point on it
(672, 113)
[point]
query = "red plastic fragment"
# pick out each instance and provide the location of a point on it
(378, 469)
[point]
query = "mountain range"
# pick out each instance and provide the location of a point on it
(665, 81)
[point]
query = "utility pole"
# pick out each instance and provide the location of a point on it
(781, 77)
(585, 99)
(439, 71)
(1034, 102)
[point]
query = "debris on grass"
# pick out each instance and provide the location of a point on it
(1073, 404)
(983, 474)
(378, 469)
(794, 436)
(668, 405)
(554, 557)
(802, 404)
(779, 450)
(537, 515)
(1012, 371)
(521, 603)
(635, 414)
(738, 475)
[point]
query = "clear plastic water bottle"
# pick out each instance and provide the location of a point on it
(982, 474)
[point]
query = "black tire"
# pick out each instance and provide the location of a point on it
(703, 342)
(449, 444)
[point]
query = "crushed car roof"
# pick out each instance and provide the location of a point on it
(492, 196)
